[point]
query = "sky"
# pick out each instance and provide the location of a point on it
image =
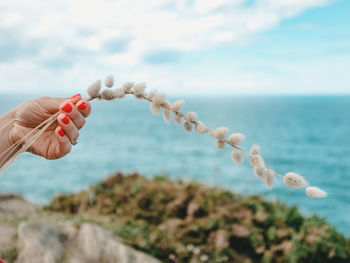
(200, 47)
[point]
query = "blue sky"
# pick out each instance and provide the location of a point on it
(223, 47)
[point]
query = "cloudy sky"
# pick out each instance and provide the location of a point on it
(222, 47)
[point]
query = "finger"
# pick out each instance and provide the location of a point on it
(84, 107)
(78, 119)
(64, 144)
(52, 105)
(68, 127)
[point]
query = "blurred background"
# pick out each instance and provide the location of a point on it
(276, 70)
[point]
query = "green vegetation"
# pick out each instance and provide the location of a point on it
(190, 222)
(10, 255)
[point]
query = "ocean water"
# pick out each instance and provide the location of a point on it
(308, 135)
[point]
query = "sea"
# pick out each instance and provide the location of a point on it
(309, 135)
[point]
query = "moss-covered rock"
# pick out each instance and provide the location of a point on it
(190, 222)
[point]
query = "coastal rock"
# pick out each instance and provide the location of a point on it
(14, 205)
(39, 242)
(98, 245)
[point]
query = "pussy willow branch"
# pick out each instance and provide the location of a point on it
(180, 114)
(291, 179)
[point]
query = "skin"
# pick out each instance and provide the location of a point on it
(15, 124)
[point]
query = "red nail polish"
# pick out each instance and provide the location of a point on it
(82, 106)
(67, 108)
(65, 119)
(74, 96)
(61, 132)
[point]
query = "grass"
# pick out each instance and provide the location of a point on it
(190, 222)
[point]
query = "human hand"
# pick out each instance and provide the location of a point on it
(57, 140)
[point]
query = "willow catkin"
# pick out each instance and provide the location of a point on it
(191, 116)
(109, 82)
(108, 94)
(315, 192)
(294, 180)
(237, 157)
(155, 108)
(220, 133)
(259, 172)
(166, 115)
(159, 98)
(255, 150)
(94, 89)
(257, 161)
(119, 93)
(236, 138)
(200, 127)
(152, 93)
(128, 86)
(177, 105)
(187, 126)
(139, 90)
(177, 119)
(220, 144)
(269, 177)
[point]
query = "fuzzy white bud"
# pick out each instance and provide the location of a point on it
(220, 144)
(257, 161)
(177, 119)
(152, 93)
(94, 89)
(109, 82)
(187, 126)
(294, 180)
(155, 108)
(159, 98)
(259, 172)
(108, 94)
(315, 192)
(119, 93)
(237, 157)
(255, 150)
(177, 105)
(220, 133)
(191, 116)
(269, 177)
(236, 138)
(166, 115)
(200, 127)
(139, 90)
(127, 87)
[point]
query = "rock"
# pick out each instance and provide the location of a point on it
(15, 205)
(7, 237)
(39, 242)
(98, 245)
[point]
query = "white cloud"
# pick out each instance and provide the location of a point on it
(79, 40)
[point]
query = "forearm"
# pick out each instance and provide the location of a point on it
(6, 124)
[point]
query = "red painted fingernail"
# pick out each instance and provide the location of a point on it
(65, 119)
(67, 108)
(82, 106)
(61, 132)
(74, 96)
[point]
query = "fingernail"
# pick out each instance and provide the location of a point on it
(67, 108)
(61, 132)
(74, 96)
(82, 106)
(65, 119)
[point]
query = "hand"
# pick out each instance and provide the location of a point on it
(57, 140)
